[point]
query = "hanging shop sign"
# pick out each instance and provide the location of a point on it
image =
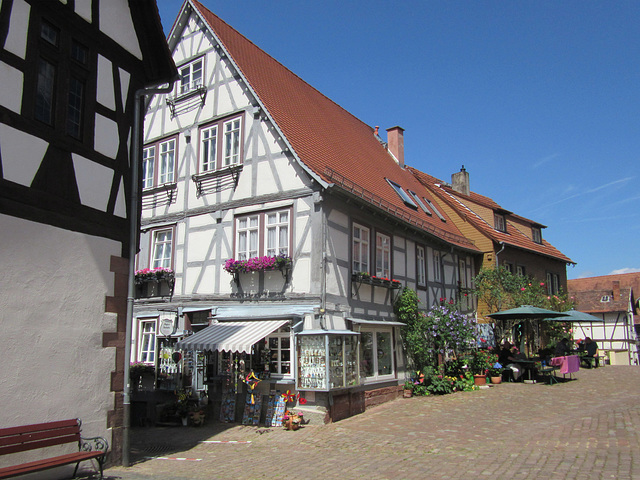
(166, 327)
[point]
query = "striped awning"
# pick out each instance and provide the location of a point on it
(230, 336)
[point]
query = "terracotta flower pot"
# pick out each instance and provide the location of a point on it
(480, 380)
(496, 380)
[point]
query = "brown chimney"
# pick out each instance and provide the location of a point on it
(616, 290)
(395, 141)
(460, 181)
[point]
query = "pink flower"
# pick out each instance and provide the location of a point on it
(523, 289)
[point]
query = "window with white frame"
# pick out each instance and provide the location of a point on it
(208, 148)
(147, 341)
(437, 267)
(148, 166)
(265, 233)
(231, 142)
(521, 270)
(277, 225)
(500, 222)
(190, 76)
(162, 248)
(247, 237)
(376, 354)
(279, 344)
(421, 266)
(383, 255)
(159, 163)
(221, 144)
(360, 248)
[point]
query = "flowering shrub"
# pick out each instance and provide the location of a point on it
(257, 264)
(449, 330)
(154, 275)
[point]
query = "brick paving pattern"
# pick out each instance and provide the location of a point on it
(583, 429)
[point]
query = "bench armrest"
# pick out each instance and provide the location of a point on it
(90, 444)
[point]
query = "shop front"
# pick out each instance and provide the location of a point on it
(256, 369)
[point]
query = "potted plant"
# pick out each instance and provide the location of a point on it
(407, 391)
(495, 373)
(182, 406)
(480, 364)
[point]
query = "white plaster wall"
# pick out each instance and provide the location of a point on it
(16, 42)
(116, 22)
(21, 155)
(52, 316)
(11, 80)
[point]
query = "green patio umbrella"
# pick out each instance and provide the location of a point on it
(526, 312)
(574, 316)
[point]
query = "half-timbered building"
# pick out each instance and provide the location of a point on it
(278, 229)
(506, 239)
(68, 74)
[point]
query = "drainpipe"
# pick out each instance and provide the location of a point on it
(498, 253)
(133, 240)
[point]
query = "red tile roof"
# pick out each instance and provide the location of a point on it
(326, 138)
(590, 301)
(512, 236)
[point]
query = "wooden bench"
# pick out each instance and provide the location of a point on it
(30, 437)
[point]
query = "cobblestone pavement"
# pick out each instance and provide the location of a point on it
(587, 428)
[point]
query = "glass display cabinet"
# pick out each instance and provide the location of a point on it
(327, 360)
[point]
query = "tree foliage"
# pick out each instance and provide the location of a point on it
(499, 289)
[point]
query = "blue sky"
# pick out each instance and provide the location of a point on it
(540, 101)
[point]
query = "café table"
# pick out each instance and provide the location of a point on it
(529, 367)
(568, 364)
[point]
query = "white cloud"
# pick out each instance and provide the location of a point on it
(620, 271)
(546, 159)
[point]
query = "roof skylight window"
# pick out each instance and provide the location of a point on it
(402, 194)
(420, 202)
(433, 207)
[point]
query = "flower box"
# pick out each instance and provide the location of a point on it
(363, 277)
(156, 282)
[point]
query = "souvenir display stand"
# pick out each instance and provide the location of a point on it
(327, 360)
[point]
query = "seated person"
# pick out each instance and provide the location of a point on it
(591, 348)
(562, 348)
(504, 353)
(512, 362)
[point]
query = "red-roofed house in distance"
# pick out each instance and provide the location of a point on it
(290, 227)
(505, 239)
(614, 299)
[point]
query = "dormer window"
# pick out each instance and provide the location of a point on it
(424, 208)
(433, 207)
(605, 298)
(402, 194)
(536, 234)
(500, 222)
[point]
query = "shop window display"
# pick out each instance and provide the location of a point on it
(376, 354)
(327, 361)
